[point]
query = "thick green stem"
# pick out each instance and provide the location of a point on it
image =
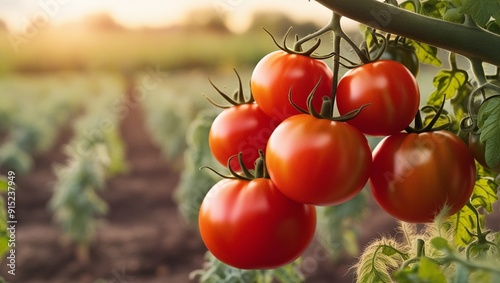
(337, 29)
(420, 248)
(327, 28)
(468, 41)
(336, 62)
(336, 67)
(477, 69)
(453, 61)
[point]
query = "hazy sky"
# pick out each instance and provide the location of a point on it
(135, 13)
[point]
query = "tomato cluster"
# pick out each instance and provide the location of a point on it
(313, 159)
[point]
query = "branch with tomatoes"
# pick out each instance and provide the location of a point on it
(294, 162)
(470, 41)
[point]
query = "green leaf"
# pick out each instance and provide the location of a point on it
(480, 10)
(215, 271)
(462, 223)
(368, 35)
(378, 260)
(462, 275)
(485, 194)
(288, 274)
(4, 238)
(408, 5)
(483, 276)
(441, 244)
(429, 114)
(426, 54)
(429, 271)
(4, 184)
(460, 101)
(407, 275)
(434, 8)
(489, 127)
(447, 83)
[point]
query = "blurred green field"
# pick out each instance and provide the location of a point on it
(99, 43)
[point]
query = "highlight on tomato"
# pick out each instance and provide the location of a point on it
(414, 175)
(248, 223)
(318, 161)
(391, 91)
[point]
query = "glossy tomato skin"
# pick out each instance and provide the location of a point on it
(390, 89)
(477, 149)
(244, 128)
(278, 71)
(252, 225)
(318, 161)
(414, 175)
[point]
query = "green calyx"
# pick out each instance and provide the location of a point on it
(260, 170)
(327, 107)
(238, 97)
(297, 47)
(419, 126)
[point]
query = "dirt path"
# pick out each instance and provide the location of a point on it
(143, 238)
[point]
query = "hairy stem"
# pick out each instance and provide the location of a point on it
(468, 41)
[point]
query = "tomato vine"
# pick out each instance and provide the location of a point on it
(428, 174)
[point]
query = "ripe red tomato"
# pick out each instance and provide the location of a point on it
(477, 149)
(415, 175)
(252, 225)
(391, 90)
(244, 128)
(318, 161)
(279, 71)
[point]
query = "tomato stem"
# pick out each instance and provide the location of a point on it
(336, 63)
(297, 48)
(217, 173)
(290, 99)
(415, 26)
(419, 124)
(420, 128)
(477, 69)
(238, 97)
(326, 107)
(452, 58)
(260, 167)
(420, 248)
(260, 170)
(384, 42)
(337, 29)
(243, 167)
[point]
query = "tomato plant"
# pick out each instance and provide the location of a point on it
(281, 72)
(318, 161)
(424, 175)
(250, 224)
(415, 175)
(391, 92)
